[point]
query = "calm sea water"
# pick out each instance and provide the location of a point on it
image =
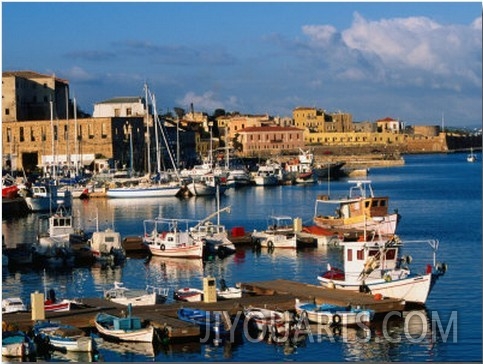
(438, 196)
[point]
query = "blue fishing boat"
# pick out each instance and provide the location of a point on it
(212, 324)
(329, 314)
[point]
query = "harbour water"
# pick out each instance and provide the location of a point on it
(438, 196)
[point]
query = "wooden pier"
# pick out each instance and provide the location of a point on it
(276, 294)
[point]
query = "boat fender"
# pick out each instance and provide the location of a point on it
(387, 278)
(162, 247)
(270, 244)
(336, 319)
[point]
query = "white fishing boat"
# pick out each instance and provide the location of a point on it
(228, 293)
(328, 314)
(279, 234)
(207, 185)
(125, 296)
(107, 246)
(361, 210)
(12, 305)
(268, 174)
(54, 244)
(265, 319)
(165, 238)
(188, 294)
(128, 328)
(377, 267)
(65, 337)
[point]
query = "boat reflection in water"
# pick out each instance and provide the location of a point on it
(394, 336)
(175, 268)
(126, 348)
(104, 274)
(175, 273)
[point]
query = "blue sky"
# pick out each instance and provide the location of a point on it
(410, 61)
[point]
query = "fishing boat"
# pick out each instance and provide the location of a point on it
(328, 314)
(54, 244)
(279, 234)
(188, 294)
(65, 337)
(265, 319)
(300, 169)
(106, 246)
(16, 344)
(207, 185)
(129, 328)
(125, 296)
(44, 197)
(211, 323)
(329, 171)
(164, 237)
(377, 267)
(12, 305)
(213, 235)
(268, 174)
(361, 210)
(228, 293)
(51, 303)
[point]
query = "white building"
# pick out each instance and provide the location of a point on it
(120, 107)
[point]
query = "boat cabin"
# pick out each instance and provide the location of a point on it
(106, 241)
(163, 232)
(61, 223)
(370, 257)
(360, 202)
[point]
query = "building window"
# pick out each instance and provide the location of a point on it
(32, 135)
(128, 111)
(66, 132)
(21, 134)
(117, 112)
(7, 111)
(9, 135)
(91, 131)
(55, 132)
(103, 131)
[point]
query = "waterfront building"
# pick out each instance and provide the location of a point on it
(27, 95)
(72, 144)
(320, 121)
(270, 140)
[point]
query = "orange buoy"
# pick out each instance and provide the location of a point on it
(378, 297)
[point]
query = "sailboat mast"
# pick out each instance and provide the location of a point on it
(148, 136)
(76, 142)
(53, 138)
(158, 152)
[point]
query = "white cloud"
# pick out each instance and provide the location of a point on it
(207, 102)
(322, 34)
(412, 50)
(78, 74)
